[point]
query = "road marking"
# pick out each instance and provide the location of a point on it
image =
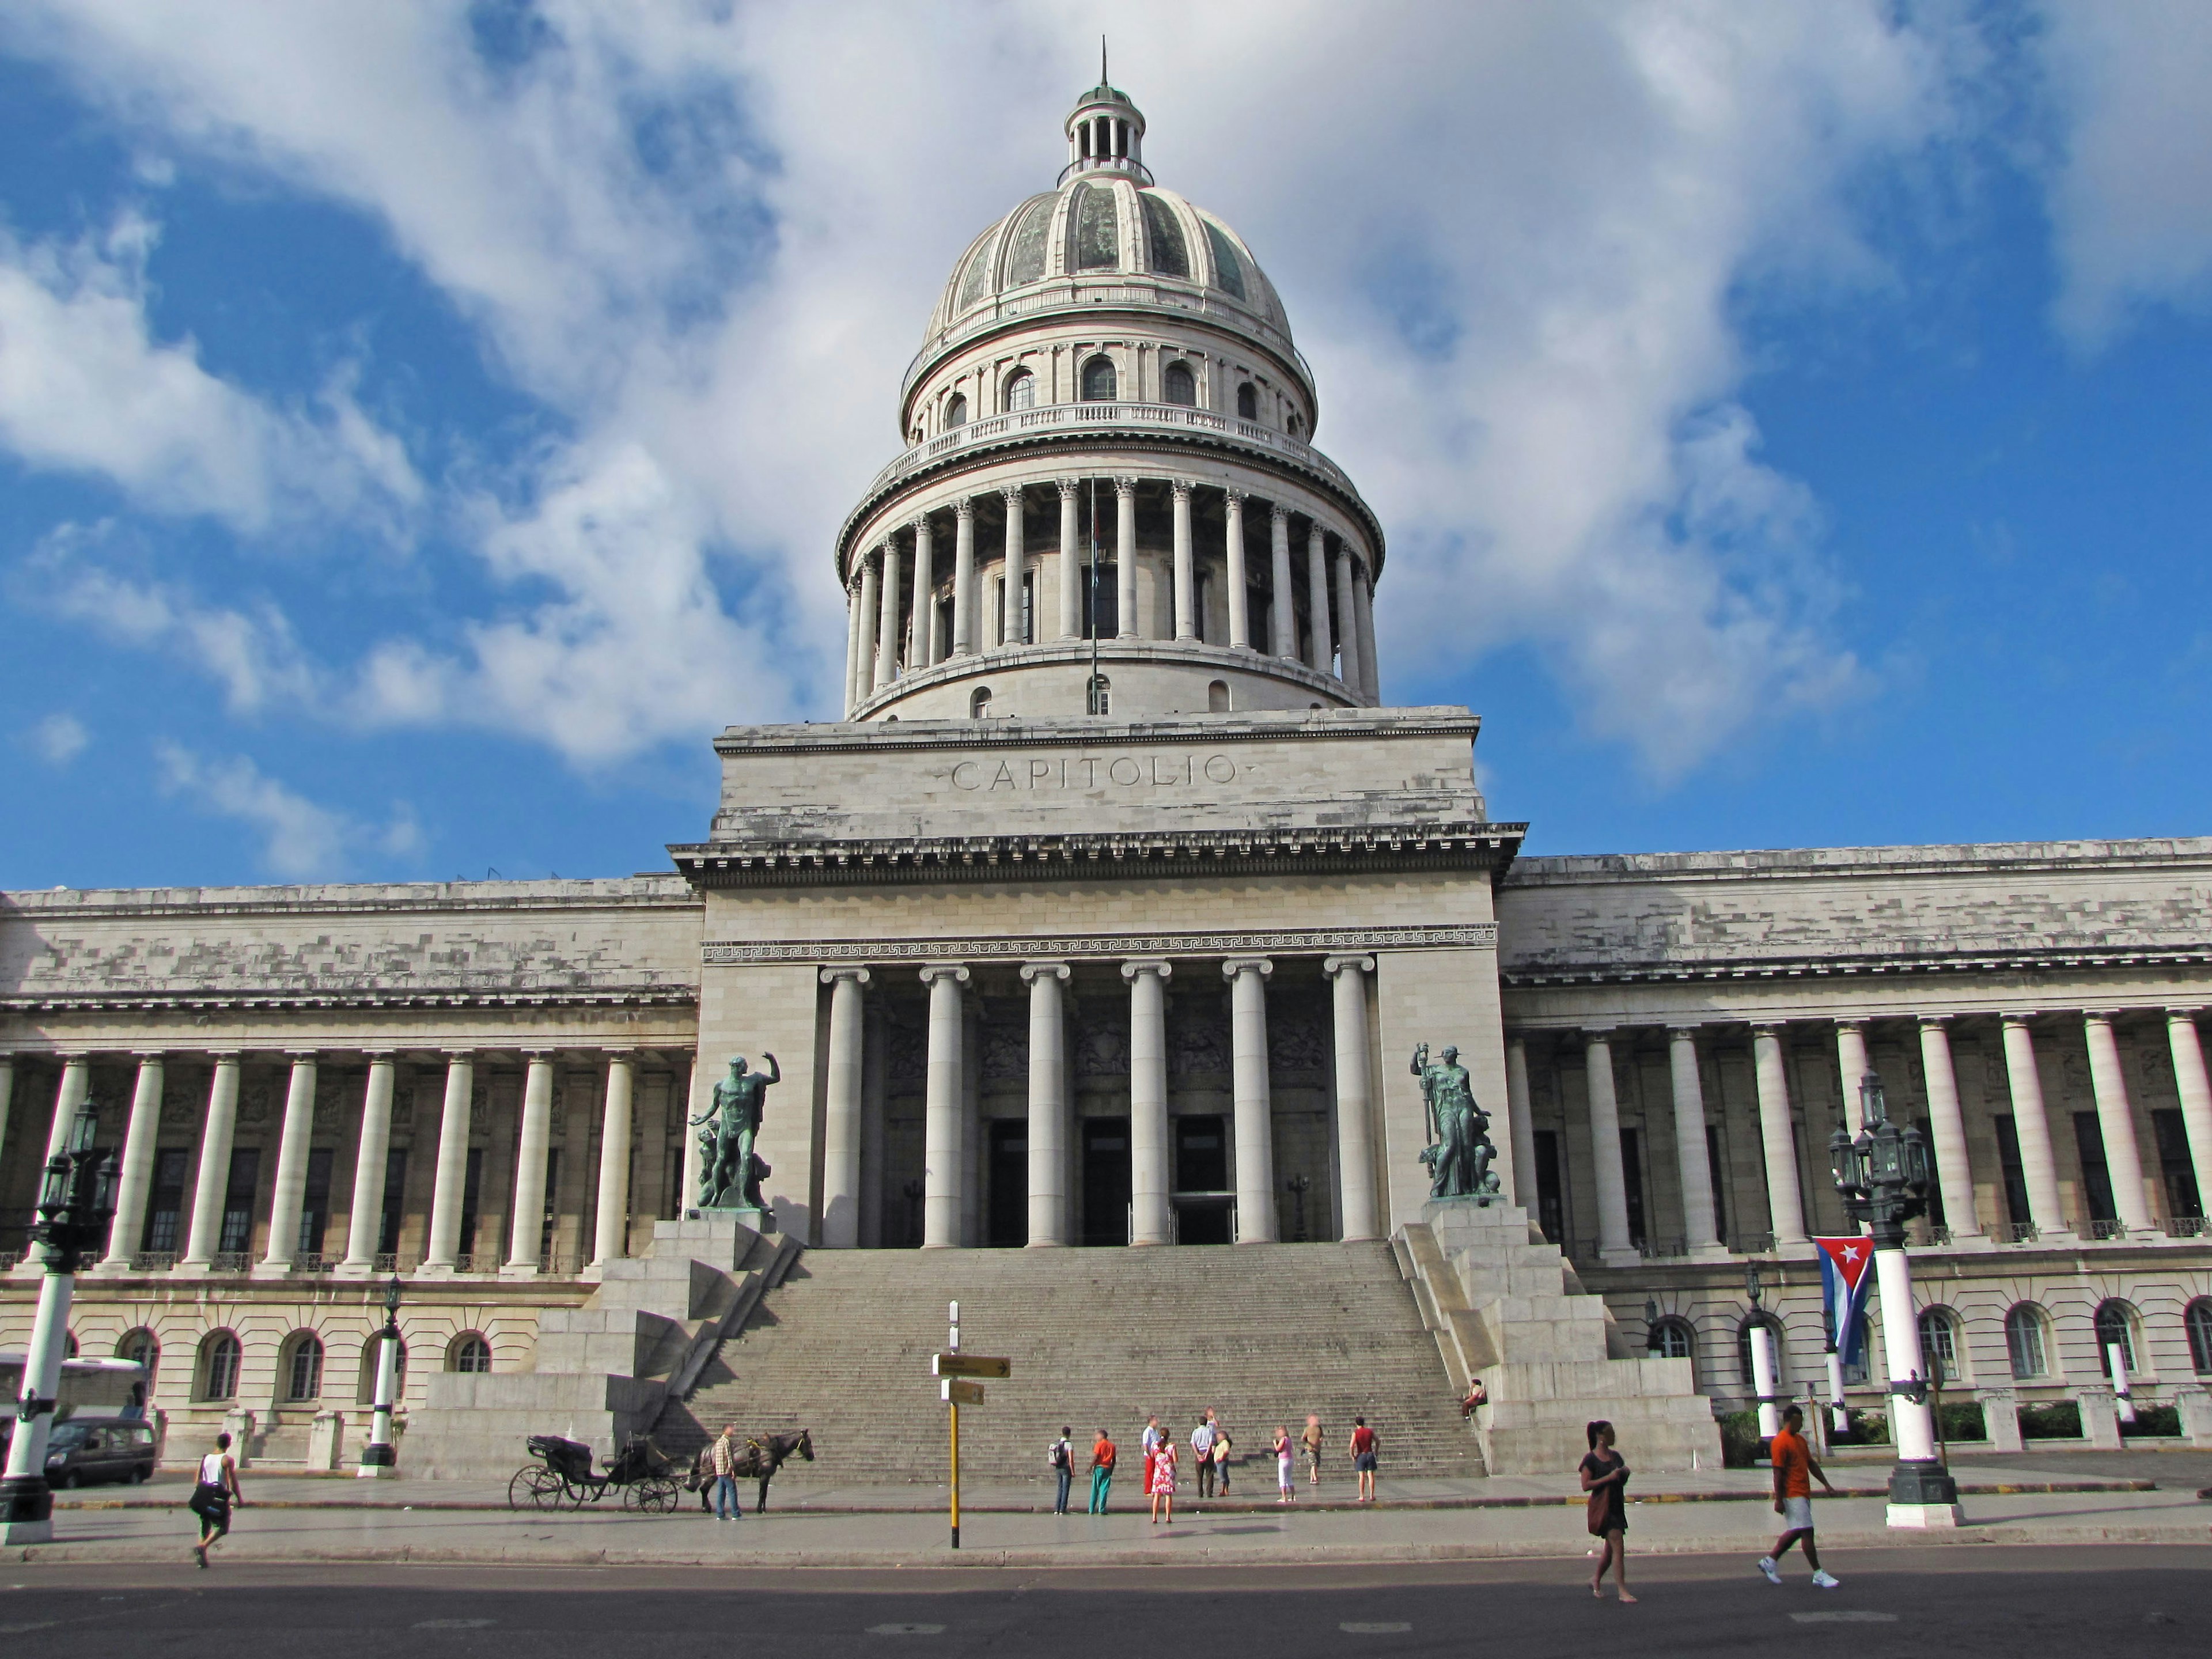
(1846, 1616)
(19, 1630)
(906, 1630)
(454, 1624)
(1391, 1629)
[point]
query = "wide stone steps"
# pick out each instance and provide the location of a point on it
(1263, 1333)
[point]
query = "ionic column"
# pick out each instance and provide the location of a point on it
(1520, 1127)
(1251, 1097)
(1284, 614)
(291, 1186)
(2195, 1094)
(1125, 557)
(527, 1227)
(1324, 649)
(1851, 1065)
(1185, 578)
(1009, 625)
(1371, 670)
(1785, 1209)
(213, 1181)
(887, 633)
(2115, 1120)
(1047, 1126)
(76, 1085)
(1947, 1124)
(610, 1237)
(135, 1179)
(1240, 599)
(921, 638)
(7, 1096)
(853, 631)
(1614, 1242)
(365, 1225)
(1352, 675)
(1700, 1230)
(2030, 1129)
(941, 1174)
(840, 1228)
(1149, 1220)
(863, 658)
(963, 578)
(1070, 562)
(1355, 1148)
(451, 1189)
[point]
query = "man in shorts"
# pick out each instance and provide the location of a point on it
(1794, 1470)
(1309, 1444)
(1363, 1458)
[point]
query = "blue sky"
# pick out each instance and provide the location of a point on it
(421, 426)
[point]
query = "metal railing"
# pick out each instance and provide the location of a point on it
(1938, 1235)
(1664, 1250)
(9, 1260)
(2114, 1229)
(1753, 1243)
(2018, 1232)
(2189, 1227)
(561, 1264)
(153, 1262)
(231, 1261)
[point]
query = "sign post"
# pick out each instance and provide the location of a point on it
(956, 1388)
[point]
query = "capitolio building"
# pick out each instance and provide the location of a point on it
(1079, 972)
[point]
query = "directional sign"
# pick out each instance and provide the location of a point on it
(969, 1364)
(957, 1392)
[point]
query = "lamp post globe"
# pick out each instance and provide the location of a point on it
(76, 1202)
(1882, 1177)
(380, 1457)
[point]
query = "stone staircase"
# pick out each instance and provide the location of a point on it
(1263, 1333)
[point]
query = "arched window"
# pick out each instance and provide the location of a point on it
(2198, 1321)
(142, 1347)
(469, 1352)
(1101, 695)
(2115, 1324)
(1217, 697)
(371, 1352)
(1939, 1345)
(979, 703)
(1743, 1349)
(1248, 402)
(1100, 384)
(219, 1356)
(1021, 390)
(1298, 427)
(2024, 1342)
(956, 413)
(1672, 1339)
(303, 1367)
(1179, 386)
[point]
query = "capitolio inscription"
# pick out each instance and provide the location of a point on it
(1089, 772)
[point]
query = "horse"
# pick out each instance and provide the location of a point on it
(761, 1457)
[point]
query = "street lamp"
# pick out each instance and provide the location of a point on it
(76, 1202)
(380, 1457)
(1883, 1178)
(1762, 1360)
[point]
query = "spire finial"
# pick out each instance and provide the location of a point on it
(1102, 81)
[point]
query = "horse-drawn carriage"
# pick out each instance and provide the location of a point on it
(563, 1476)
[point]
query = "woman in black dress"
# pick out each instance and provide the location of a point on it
(1605, 1478)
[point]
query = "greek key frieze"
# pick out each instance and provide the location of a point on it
(1307, 941)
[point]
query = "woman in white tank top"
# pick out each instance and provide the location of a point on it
(213, 1494)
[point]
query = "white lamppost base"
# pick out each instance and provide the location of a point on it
(378, 1472)
(1926, 1515)
(40, 1531)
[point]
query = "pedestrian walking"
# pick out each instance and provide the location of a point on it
(213, 1494)
(1221, 1456)
(1283, 1444)
(1363, 1458)
(1201, 1454)
(724, 1457)
(1795, 1468)
(1605, 1478)
(1102, 1472)
(1163, 1480)
(1310, 1442)
(1062, 1459)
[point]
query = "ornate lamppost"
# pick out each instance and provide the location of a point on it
(1763, 1378)
(379, 1456)
(76, 1202)
(1883, 1177)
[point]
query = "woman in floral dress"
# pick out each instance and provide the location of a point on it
(1164, 1480)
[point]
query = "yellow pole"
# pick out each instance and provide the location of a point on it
(955, 1474)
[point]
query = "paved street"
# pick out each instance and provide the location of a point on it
(2013, 1601)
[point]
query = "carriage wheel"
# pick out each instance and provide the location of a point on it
(536, 1485)
(656, 1494)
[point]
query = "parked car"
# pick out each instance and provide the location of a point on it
(87, 1449)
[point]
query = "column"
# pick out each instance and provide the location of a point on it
(526, 1227)
(76, 1085)
(1614, 1244)
(7, 1094)
(2031, 1127)
(136, 1178)
(1240, 597)
(365, 1223)
(853, 631)
(941, 1172)
(963, 578)
(213, 1181)
(1322, 642)
(887, 633)
(1149, 1221)
(291, 1186)
(452, 1173)
(2115, 1120)
(2196, 1093)
(611, 1235)
(1785, 1208)
(1851, 1065)
(1700, 1230)
(1345, 616)
(1355, 1146)
(1071, 564)
(1521, 1128)
(1954, 1175)
(840, 1228)
(1251, 1098)
(1125, 557)
(1048, 1122)
(1185, 578)
(1010, 630)
(1285, 630)
(864, 665)
(1370, 671)
(921, 638)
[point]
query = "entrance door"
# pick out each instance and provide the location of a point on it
(1201, 1165)
(1105, 1181)
(1006, 1221)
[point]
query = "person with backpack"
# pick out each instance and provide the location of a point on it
(1061, 1458)
(1102, 1472)
(213, 1494)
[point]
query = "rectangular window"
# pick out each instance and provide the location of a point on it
(1934, 1182)
(471, 1187)
(238, 1200)
(553, 1193)
(1631, 1179)
(2096, 1180)
(395, 1201)
(1025, 627)
(315, 1204)
(1717, 1165)
(2182, 1198)
(1102, 600)
(1550, 1206)
(165, 1203)
(2015, 1179)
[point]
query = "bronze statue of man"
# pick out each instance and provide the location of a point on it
(729, 1173)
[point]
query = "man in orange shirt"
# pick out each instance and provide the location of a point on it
(1795, 1468)
(1102, 1472)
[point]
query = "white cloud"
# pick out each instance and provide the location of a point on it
(58, 738)
(299, 839)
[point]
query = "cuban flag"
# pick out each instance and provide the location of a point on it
(1846, 1276)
